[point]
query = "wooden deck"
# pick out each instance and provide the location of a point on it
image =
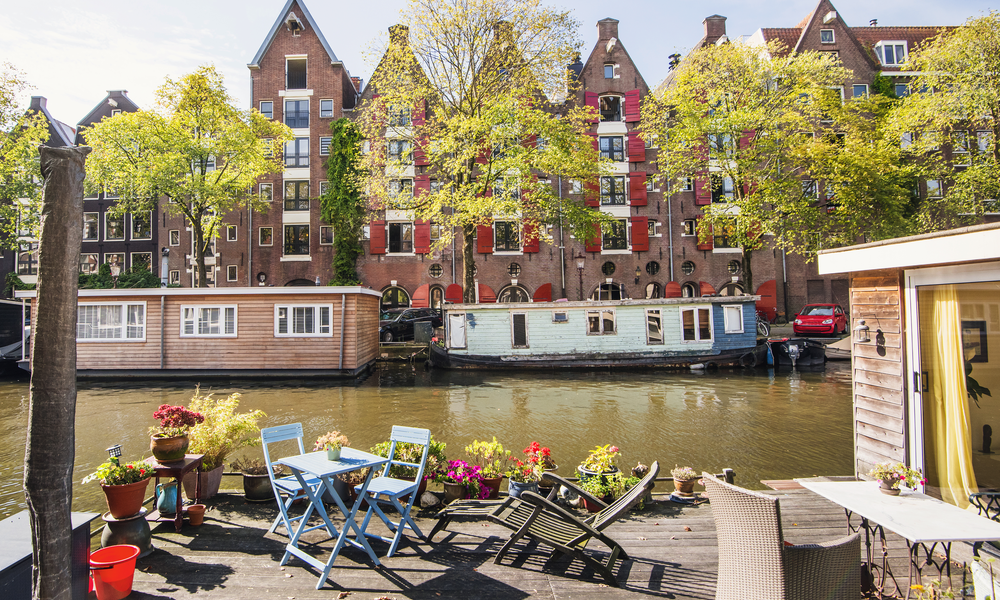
(673, 550)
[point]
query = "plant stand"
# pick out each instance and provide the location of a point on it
(133, 531)
(177, 470)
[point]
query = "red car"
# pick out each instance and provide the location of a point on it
(828, 319)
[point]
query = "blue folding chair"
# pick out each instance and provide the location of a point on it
(386, 490)
(286, 489)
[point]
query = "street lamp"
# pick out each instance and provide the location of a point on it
(638, 274)
(581, 262)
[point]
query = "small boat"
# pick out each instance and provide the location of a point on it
(797, 352)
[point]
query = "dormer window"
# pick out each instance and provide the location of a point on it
(826, 36)
(294, 24)
(891, 53)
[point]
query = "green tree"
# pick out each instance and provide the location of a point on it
(480, 74)
(20, 134)
(198, 150)
(342, 205)
(732, 118)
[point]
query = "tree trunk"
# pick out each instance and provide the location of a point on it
(469, 262)
(199, 251)
(747, 271)
(50, 452)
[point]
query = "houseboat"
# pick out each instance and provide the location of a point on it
(671, 332)
(245, 332)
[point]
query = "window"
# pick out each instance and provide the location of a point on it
(436, 271)
(399, 116)
(826, 36)
(611, 108)
(613, 190)
(401, 237)
(231, 272)
(687, 267)
(267, 109)
(613, 148)
(141, 226)
(608, 268)
(326, 109)
(732, 317)
(125, 321)
(734, 267)
(91, 226)
(609, 70)
(690, 227)
(891, 53)
(519, 330)
(902, 90)
(295, 74)
(696, 324)
(296, 240)
(722, 236)
(652, 268)
(614, 236)
(230, 233)
(960, 149)
(601, 322)
(265, 236)
(400, 187)
(89, 263)
(297, 152)
(114, 227)
(506, 236)
(575, 186)
(303, 320)
(297, 113)
(905, 140)
(654, 326)
(933, 188)
(116, 260)
(142, 260)
(722, 189)
(859, 90)
(514, 269)
(324, 146)
(653, 228)
(649, 184)
(325, 235)
(722, 143)
(266, 191)
(399, 151)
(174, 278)
(115, 112)
(688, 185)
(208, 321)
(984, 142)
(560, 316)
(323, 187)
(296, 195)
(809, 189)
(436, 231)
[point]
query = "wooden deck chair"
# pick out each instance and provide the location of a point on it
(545, 521)
(755, 562)
(286, 489)
(386, 490)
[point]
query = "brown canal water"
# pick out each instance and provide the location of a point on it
(763, 424)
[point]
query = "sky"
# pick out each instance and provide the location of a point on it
(75, 50)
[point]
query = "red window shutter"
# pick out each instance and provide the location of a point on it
(376, 237)
(419, 113)
(453, 294)
(484, 233)
(530, 142)
(746, 138)
(421, 185)
(484, 155)
(633, 98)
(709, 243)
(591, 99)
(637, 188)
(672, 290)
(421, 297)
(702, 190)
(419, 156)
(592, 193)
(379, 111)
(530, 240)
(543, 293)
(640, 234)
(421, 236)
(592, 239)
(636, 147)
(595, 141)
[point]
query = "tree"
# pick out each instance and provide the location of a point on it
(732, 119)
(20, 135)
(199, 151)
(342, 204)
(469, 98)
(955, 100)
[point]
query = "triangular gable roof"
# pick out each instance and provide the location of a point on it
(602, 42)
(280, 21)
(865, 51)
(59, 133)
(119, 96)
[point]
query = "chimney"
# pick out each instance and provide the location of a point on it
(715, 28)
(357, 81)
(873, 23)
(399, 34)
(607, 29)
(38, 102)
(573, 71)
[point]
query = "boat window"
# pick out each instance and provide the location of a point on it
(601, 322)
(519, 330)
(302, 320)
(696, 324)
(208, 321)
(733, 317)
(654, 327)
(111, 322)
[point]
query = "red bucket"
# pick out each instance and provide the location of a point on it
(113, 569)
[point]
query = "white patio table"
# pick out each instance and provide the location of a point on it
(923, 521)
(317, 464)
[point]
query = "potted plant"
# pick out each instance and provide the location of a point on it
(124, 485)
(169, 442)
(223, 432)
(256, 483)
(608, 489)
(332, 442)
(525, 474)
(891, 475)
(492, 460)
(462, 480)
(436, 461)
(684, 479)
(599, 463)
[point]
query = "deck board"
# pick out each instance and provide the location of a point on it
(673, 550)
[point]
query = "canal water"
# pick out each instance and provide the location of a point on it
(763, 424)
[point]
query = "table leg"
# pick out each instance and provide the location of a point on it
(350, 522)
(917, 566)
(314, 501)
(178, 512)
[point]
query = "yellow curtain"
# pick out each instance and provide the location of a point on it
(948, 434)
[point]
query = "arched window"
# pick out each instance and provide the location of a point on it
(437, 297)
(690, 290)
(609, 291)
(653, 291)
(513, 293)
(395, 297)
(731, 289)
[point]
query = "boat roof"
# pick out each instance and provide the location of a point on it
(321, 290)
(604, 303)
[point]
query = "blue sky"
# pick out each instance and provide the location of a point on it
(73, 51)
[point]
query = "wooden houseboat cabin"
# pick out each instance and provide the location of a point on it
(182, 332)
(671, 332)
(926, 359)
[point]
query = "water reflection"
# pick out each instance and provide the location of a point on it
(764, 425)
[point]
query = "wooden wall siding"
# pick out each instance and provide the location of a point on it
(879, 380)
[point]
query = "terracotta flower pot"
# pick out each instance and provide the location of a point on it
(196, 514)
(168, 449)
(685, 486)
(494, 484)
(210, 482)
(125, 500)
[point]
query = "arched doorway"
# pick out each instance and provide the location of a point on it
(437, 297)
(609, 291)
(653, 290)
(690, 290)
(731, 289)
(395, 297)
(513, 293)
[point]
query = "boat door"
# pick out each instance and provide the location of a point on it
(456, 330)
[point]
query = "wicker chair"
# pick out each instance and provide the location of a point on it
(755, 562)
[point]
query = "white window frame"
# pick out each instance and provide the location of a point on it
(653, 228)
(174, 277)
(650, 340)
(195, 318)
(833, 36)
(232, 272)
(880, 53)
(149, 219)
(111, 239)
(270, 111)
(854, 90)
(269, 197)
(260, 235)
(132, 256)
(323, 186)
(124, 335)
(97, 222)
(231, 234)
(279, 315)
(697, 329)
(324, 146)
(96, 264)
(600, 316)
(732, 316)
(322, 228)
(332, 106)
(684, 226)
(171, 235)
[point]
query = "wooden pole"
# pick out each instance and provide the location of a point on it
(50, 453)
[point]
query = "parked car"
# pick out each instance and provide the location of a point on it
(826, 319)
(397, 324)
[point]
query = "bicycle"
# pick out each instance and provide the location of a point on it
(763, 327)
